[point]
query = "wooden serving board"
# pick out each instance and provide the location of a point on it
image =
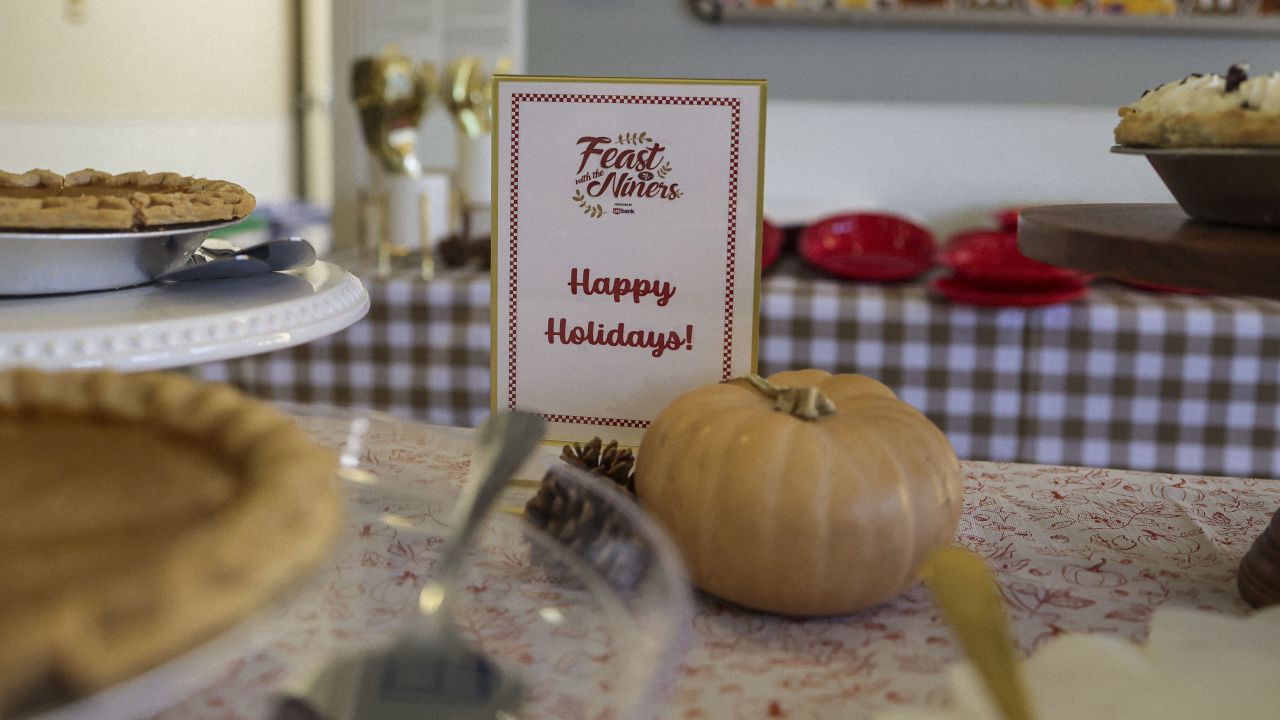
(1155, 243)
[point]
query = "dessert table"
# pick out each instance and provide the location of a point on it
(1122, 378)
(1074, 550)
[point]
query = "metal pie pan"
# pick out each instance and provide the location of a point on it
(1237, 186)
(45, 262)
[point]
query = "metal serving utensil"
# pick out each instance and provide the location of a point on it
(210, 263)
(432, 671)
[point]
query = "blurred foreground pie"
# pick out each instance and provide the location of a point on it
(142, 515)
(93, 200)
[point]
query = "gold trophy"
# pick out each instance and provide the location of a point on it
(467, 92)
(392, 94)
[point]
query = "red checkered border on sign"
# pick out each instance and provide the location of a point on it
(735, 106)
(607, 422)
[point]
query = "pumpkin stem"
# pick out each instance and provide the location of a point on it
(806, 403)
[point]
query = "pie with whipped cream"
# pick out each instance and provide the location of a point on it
(1231, 110)
(142, 515)
(93, 200)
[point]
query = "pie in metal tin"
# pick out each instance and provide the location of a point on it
(1214, 140)
(92, 230)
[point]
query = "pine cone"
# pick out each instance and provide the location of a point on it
(592, 531)
(617, 464)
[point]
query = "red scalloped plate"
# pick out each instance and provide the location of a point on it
(868, 246)
(771, 241)
(960, 290)
(991, 258)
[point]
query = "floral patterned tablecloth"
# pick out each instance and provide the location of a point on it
(1074, 549)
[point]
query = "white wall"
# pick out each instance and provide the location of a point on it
(949, 165)
(199, 88)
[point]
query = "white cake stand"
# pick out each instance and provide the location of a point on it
(173, 325)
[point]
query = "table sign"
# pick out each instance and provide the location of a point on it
(626, 245)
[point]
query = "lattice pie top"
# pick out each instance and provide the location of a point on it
(89, 199)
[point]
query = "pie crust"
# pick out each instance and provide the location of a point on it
(142, 515)
(93, 200)
(1205, 110)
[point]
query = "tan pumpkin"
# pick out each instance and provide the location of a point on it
(818, 516)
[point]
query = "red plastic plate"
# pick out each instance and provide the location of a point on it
(868, 246)
(1008, 219)
(771, 243)
(991, 258)
(961, 291)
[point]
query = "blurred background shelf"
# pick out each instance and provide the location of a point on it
(1231, 17)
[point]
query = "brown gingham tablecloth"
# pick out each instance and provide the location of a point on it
(1123, 378)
